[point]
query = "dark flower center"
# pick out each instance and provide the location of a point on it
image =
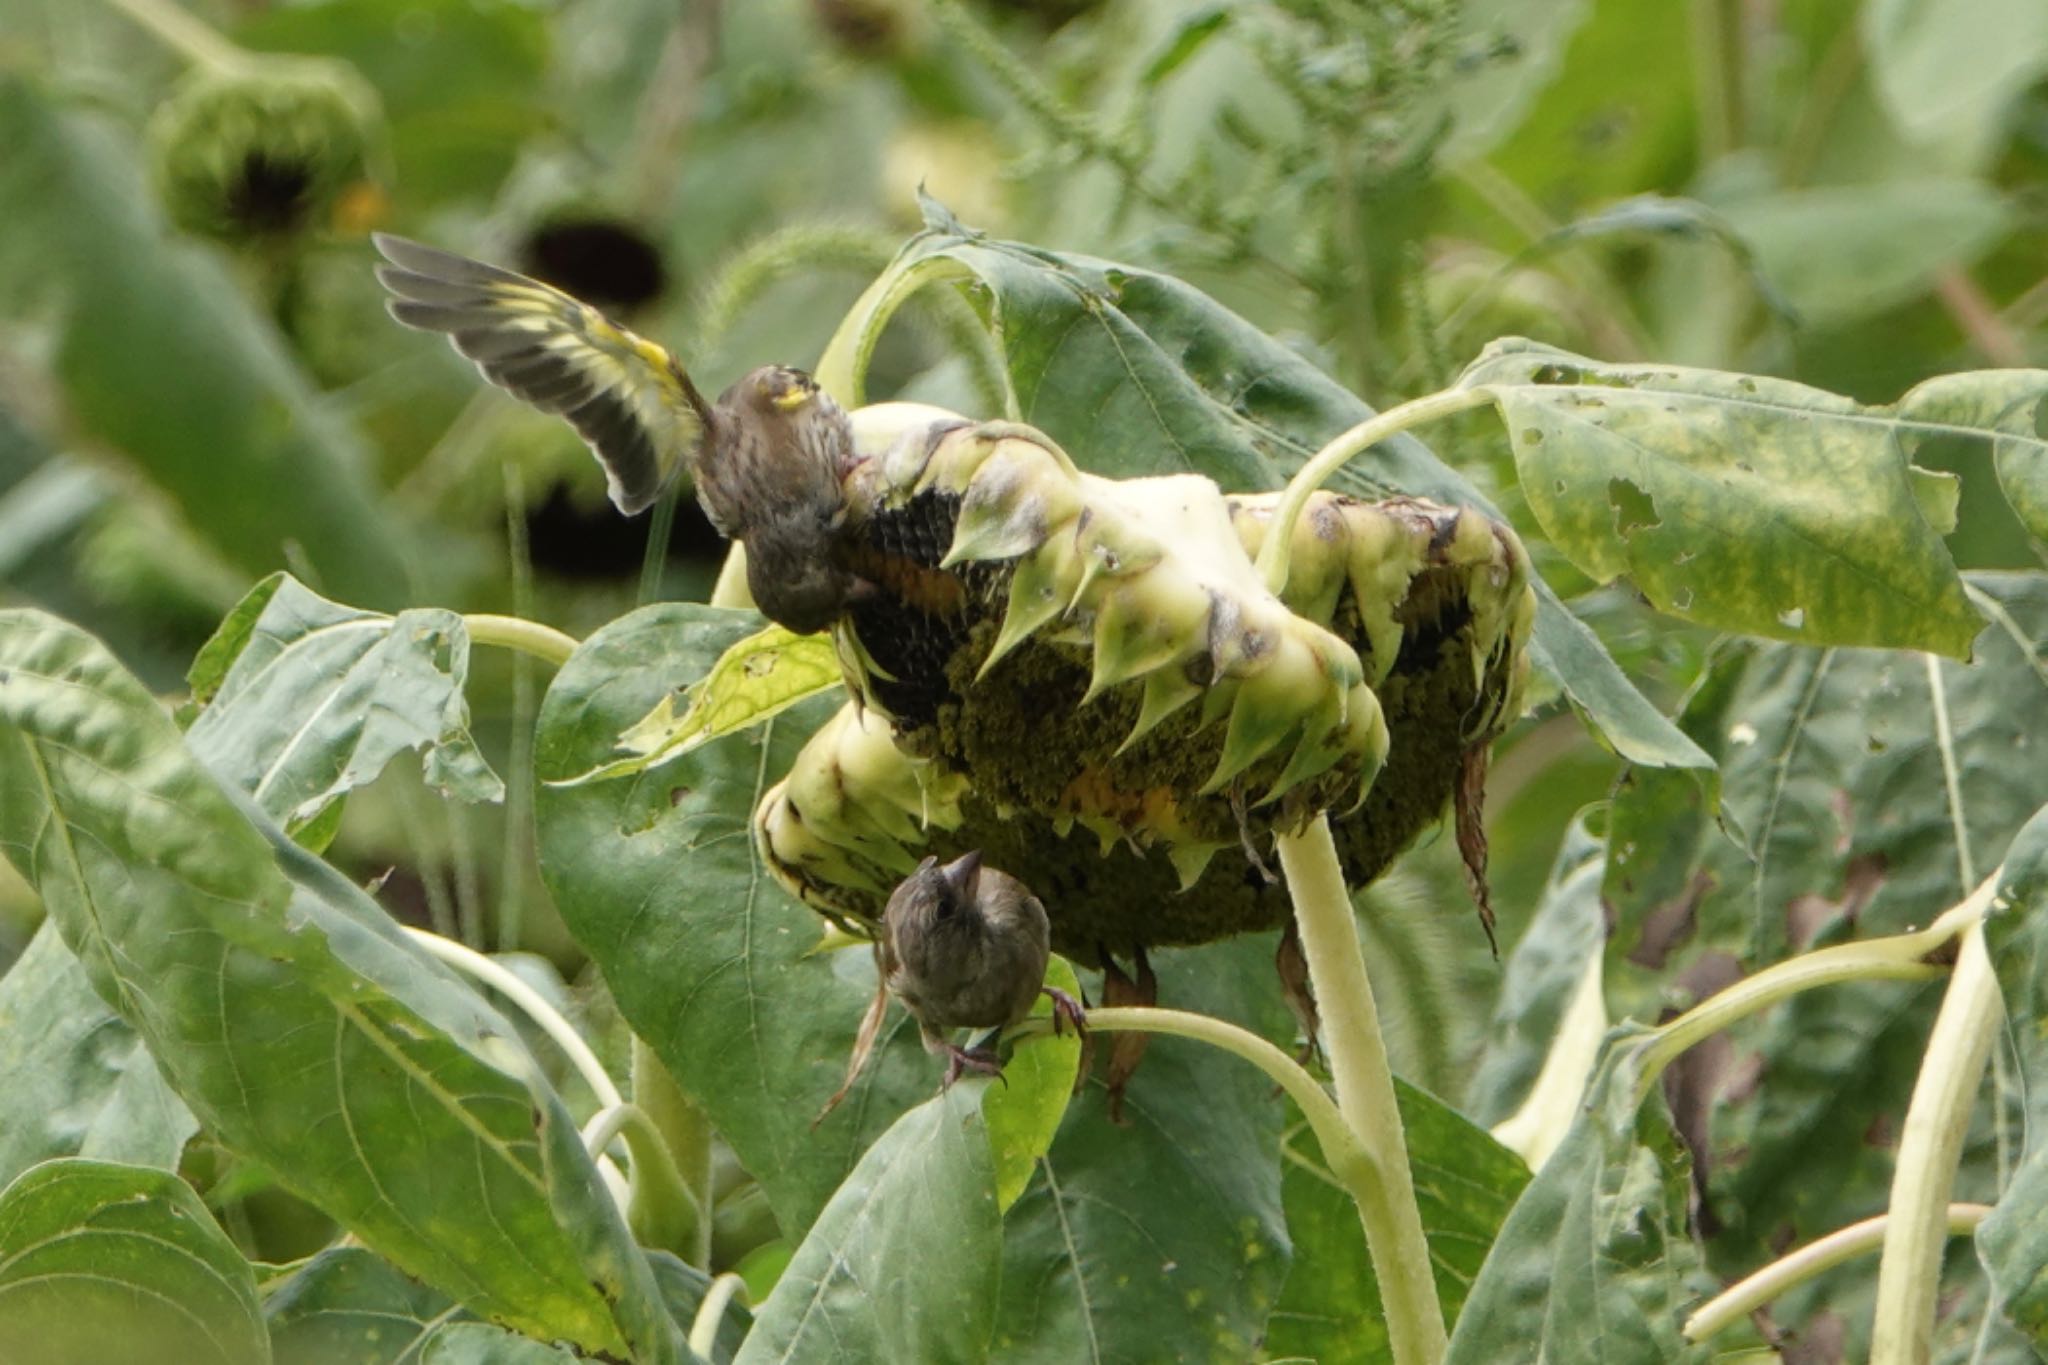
(608, 264)
(269, 195)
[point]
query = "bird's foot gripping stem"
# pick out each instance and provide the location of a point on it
(982, 1061)
(1066, 1010)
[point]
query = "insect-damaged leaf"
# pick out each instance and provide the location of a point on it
(306, 699)
(1751, 504)
(758, 677)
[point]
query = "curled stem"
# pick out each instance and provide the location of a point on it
(528, 637)
(704, 1328)
(660, 1207)
(1365, 1089)
(1930, 1145)
(842, 370)
(561, 1031)
(1898, 957)
(1794, 1268)
(473, 963)
(1341, 1148)
(1273, 555)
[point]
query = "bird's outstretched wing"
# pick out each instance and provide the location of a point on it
(626, 396)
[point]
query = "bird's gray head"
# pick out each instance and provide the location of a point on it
(935, 895)
(785, 411)
(779, 391)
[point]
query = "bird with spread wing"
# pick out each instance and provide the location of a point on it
(767, 458)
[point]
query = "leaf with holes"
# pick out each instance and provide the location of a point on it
(305, 699)
(1751, 504)
(758, 678)
(1833, 775)
(294, 1017)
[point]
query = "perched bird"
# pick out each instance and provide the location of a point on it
(965, 946)
(768, 458)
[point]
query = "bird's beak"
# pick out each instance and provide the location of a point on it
(794, 393)
(963, 874)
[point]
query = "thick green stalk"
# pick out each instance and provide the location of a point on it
(1930, 1145)
(686, 1140)
(1365, 1091)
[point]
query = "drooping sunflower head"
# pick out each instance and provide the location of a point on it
(1130, 712)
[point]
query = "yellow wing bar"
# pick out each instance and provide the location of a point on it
(626, 396)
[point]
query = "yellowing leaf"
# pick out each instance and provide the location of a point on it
(759, 677)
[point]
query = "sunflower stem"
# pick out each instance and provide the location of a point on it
(686, 1141)
(660, 1208)
(1930, 1146)
(1365, 1091)
(1795, 1268)
(528, 637)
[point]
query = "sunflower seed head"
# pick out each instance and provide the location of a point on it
(1050, 680)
